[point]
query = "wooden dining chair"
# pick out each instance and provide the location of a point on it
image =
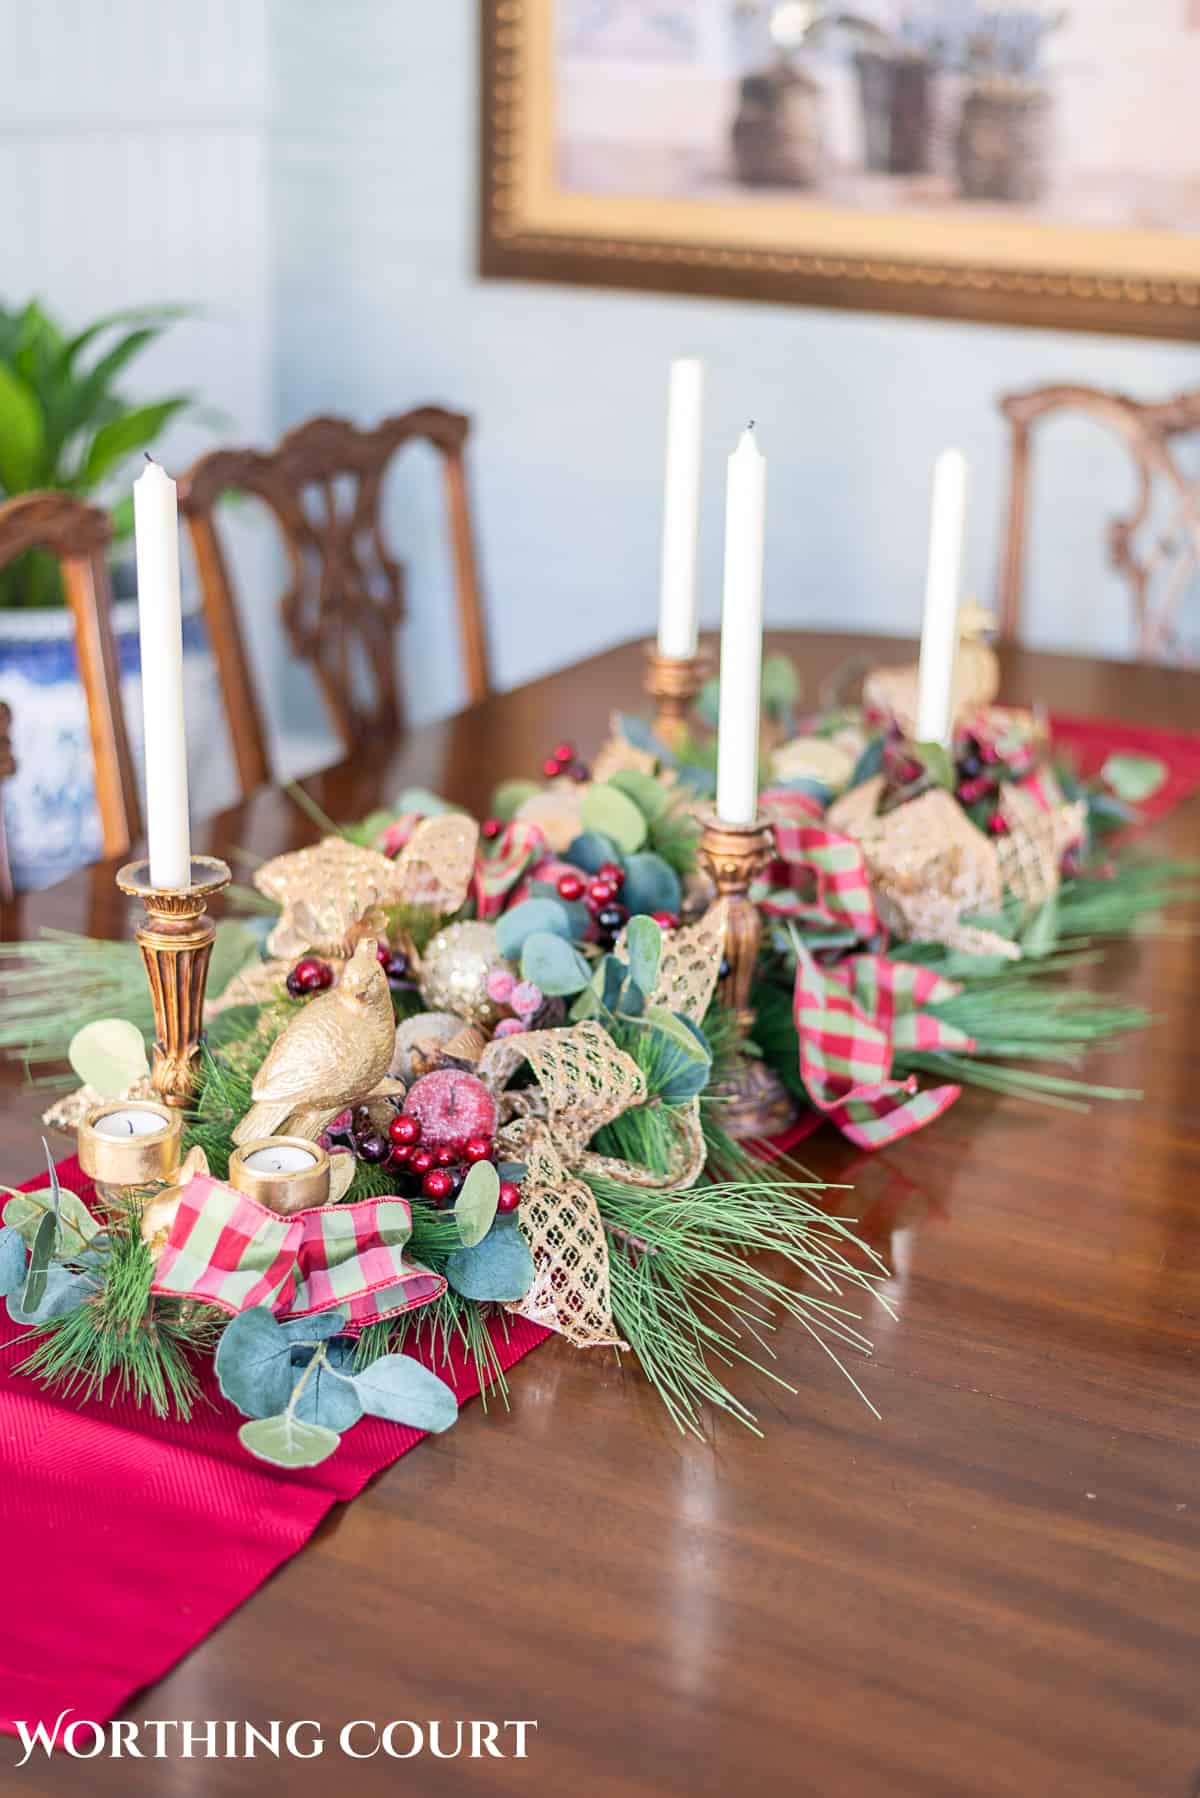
(344, 597)
(1157, 572)
(77, 535)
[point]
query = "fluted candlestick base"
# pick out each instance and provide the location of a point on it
(176, 944)
(673, 683)
(756, 1102)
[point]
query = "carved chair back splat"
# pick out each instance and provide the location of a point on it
(344, 596)
(1158, 575)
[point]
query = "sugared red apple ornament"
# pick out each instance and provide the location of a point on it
(451, 1106)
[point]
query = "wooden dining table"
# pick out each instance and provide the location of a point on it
(993, 1588)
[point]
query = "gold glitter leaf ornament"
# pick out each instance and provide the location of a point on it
(435, 868)
(329, 895)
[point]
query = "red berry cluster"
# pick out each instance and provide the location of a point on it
(393, 963)
(309, 976)
(563, 760)
(602, 898)
(440, 1171)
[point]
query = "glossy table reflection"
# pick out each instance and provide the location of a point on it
(995, 1590)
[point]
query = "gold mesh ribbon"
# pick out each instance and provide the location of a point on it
(930, 868)
(561, 1221)
(583, 1082)
(690, 964)
(1030, 853)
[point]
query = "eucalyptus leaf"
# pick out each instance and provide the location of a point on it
(62, 1290)
(288, 1441)
(937, 763)
(607, 810)
(77, 1227)
(635, 730)
(553, 964)
(632, 1000)
(869, 763)
(500, 1268)
(109, 1055)
(509, 797)
(511, 1170)
(40, 1257)
(317, 1328)
(643, 945)
(708, 701)
(651, 884)
(680, 1063)
(254, 1364)
(607, 981)
(402, 1390)
(327, 1397)
(516, 926)
(648, 794)
(13, 1256)
(591, 849)
(475, 1207)
(1133, 778)
(420, 799)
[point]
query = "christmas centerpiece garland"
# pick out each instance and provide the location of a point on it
(456, 1072)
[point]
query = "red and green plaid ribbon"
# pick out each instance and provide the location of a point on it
(850, 1021)
(819, 877)
(230, 1251)
(504, 862)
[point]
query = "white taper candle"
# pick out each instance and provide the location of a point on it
(160, 626)
(741, 633)
(939, 627)
(681, 510)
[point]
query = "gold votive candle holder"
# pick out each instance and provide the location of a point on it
(284, 1173)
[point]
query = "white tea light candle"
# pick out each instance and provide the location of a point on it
(285, 1173)
(280, 1158)
(741, 633)
(124, 1124)
(939, 627)
(681, 510)
(160, 629)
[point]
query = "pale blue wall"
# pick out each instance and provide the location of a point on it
(377, 306)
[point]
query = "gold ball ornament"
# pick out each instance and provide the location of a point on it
(454, 971)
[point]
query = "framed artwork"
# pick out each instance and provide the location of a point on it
(983, 159)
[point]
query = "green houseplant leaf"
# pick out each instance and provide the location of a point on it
(122, 436)
(22, 433)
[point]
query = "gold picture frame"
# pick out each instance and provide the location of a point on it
(980, 265)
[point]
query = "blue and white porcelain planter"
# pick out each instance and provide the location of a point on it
(50, 804)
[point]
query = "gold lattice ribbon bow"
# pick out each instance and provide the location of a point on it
(585, 1081)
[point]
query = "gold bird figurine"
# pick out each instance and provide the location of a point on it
(330, 1056)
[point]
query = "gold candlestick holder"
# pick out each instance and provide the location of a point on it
(673, 683)
(176, 944)
(757, 1104)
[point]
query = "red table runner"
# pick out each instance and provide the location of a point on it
(98, 1602)
(98, 1497)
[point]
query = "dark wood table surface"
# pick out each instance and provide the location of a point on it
(995, 1590)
